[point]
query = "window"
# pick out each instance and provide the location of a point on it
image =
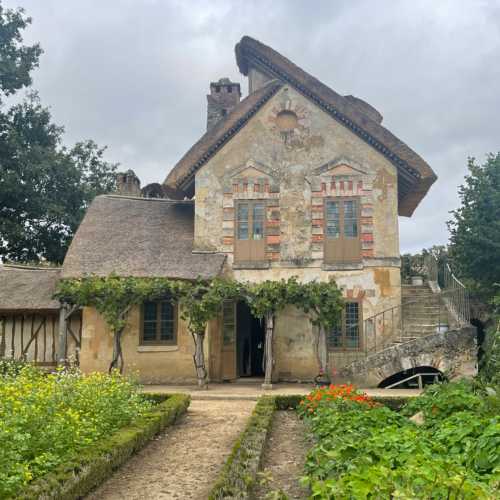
(228, 322)
(342, 239)
(159, 323)
(250, 231)
(347, 334)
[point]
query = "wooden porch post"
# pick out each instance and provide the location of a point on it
(268, 352)
(63, 335)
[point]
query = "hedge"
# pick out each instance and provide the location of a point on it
(78, 476)
(239, 473)
(240, 470)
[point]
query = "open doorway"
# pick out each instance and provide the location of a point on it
(250, 333)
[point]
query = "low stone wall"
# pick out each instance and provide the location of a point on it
(453, 353)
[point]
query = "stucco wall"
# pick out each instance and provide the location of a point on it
(153, 364)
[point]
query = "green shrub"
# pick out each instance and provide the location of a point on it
(46, 419)
(363, 452)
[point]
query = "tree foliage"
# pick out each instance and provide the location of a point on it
(475, 226)
(16, 60)
(45, 187)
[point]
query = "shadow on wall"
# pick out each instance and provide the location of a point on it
(413, 378)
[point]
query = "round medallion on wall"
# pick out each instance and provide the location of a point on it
(290, 121)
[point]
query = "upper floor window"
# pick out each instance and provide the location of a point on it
(250, 243)
(159, 323)
(347, 333)
(342, 235)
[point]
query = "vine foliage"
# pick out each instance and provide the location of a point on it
(200, 301)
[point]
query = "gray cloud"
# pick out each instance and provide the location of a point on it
(134, 74)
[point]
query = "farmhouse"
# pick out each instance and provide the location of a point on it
(293, 180)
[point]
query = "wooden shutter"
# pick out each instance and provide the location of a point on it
(250, 234)
(342, 235)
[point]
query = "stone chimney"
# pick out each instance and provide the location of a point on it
(128, 184)
(224, 96)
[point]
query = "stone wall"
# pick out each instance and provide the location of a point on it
(454, 353)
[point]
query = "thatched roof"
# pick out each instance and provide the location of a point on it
(181, 177)
(142, 237)
(28, 289)
(415, 176)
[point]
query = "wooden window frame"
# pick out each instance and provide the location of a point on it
(158, 341)
(232, 303)
(329, 243)
(343, 337)
(251, 203)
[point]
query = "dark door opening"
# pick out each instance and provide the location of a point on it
(249, 343)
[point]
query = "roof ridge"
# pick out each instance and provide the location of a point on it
(24, 267)
(143, 198)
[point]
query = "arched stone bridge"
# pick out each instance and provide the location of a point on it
(453, 353)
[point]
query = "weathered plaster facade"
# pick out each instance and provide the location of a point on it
(153, 364)
(295, 173)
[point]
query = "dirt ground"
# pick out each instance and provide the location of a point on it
(284, 457)
(184, 461)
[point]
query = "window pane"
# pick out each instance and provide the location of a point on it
(258, 221)
(167, 321)
(167, 311)
(351, 218)
(167, 330)
(334, 339)
(150, 311)
(332, 220)
(149, 327)
(228, 322)
(352, 325)
(242, 221)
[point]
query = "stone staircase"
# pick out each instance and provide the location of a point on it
(423, 312)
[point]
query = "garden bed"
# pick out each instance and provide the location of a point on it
(365, 450)
(369, 448)
(63, 434)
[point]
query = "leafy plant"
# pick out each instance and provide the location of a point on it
(364, 451)
(44, 419)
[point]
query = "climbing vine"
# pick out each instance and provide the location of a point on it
(200, 301)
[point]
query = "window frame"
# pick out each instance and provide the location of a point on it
(333, 247)
(343, 337)
(158, 340)
(250, 242)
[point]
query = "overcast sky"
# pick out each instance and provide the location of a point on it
(134, 74)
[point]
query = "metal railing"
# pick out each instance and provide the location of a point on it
(448, 308)
(441, 279)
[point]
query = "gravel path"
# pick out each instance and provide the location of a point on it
(184, 461)
(284, 457)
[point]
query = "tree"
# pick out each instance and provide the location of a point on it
(475, 227)
(45, 187)
(16, 60)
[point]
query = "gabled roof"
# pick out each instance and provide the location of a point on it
(415, 176)
(142, 237)
(24, 289)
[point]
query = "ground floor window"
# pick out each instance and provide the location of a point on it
(347, 333)
(159, 323)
